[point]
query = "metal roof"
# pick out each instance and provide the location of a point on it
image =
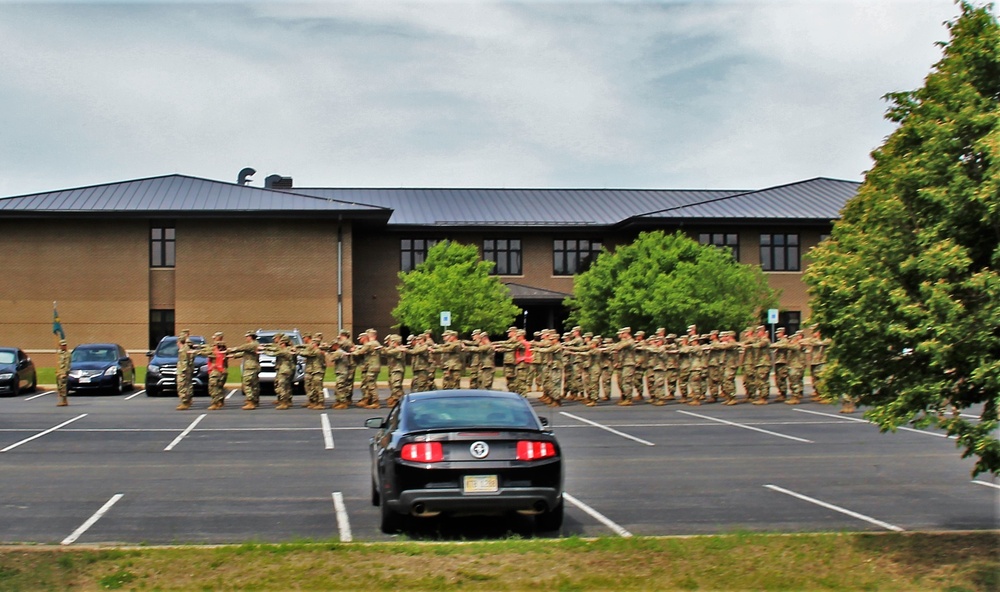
(177, 194)
(813, 199)
(516, 207)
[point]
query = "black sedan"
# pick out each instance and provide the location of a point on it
(17, 372)
(465, 452)
(100, 367)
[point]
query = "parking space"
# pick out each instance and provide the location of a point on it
(131, 469)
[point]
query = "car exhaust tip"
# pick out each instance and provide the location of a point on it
(419, 509)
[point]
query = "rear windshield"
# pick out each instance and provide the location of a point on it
(470, 412)
(95, 354)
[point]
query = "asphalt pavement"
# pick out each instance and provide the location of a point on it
(130, 469)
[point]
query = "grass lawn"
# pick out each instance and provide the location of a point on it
(908, 561)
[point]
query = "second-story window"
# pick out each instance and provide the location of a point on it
(413, 252)
(506, 253)
(162, 245)
(729, 241)
(779, 252)
(572, 256)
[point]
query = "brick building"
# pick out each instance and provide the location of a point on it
(134, 260)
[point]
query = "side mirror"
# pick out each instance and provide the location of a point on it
(375, 423)
(149, 354)
(545, 421)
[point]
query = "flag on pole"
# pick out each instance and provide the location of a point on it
(56, 324)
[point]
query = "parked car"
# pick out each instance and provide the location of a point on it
(100, 367)
(17, 372)
(161, 372)
(267, 363)
(468, 452)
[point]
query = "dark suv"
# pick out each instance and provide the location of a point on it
(161, 373)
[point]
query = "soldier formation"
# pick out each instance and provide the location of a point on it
(692, 368)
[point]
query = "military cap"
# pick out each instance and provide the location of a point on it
(761, 327)
(250, 334)
(345, 332)
(63, 342)
(363, 334)
(692, 327)
(476, 331)
(660, 330)
(370, 331)
(589, 334)
(185, 332)
(671, 336)
(286, 340)
(279, 336)
(713, 332)
(577, 328)
(597, 337)
(305, 335)
(217, 334)
(521, 332)
(624, 330)
(509, 329)
(640, 333)
(608, 340)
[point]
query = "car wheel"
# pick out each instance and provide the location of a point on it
(119, 387)
(16, 389)
(34, 383)
(551, 520)
(131, 382)
(151, 392)
(376, 498)
(391, 521)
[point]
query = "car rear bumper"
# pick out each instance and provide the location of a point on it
(431, 501)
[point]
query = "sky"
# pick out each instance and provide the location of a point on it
(661, 95)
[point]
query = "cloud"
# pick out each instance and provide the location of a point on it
(645, 94)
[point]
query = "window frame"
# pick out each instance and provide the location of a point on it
(777, 255)
(507, 259)
(408, 254)
(722, 240)
(162, 245)
(584, 257)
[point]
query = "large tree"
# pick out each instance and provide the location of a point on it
(453, 278)
(671, 281)
(908, 284)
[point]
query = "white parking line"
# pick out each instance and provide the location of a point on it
(93, 519)
(597, 515)
(327, 433)
(993, 485)
(134, 395)
(745, 427)
(231, 393)
(905, 429)
(326, 393)
(853, 514)
(185, 433)
(343, 524)
(604, 427)
(40, 434)
(33, 397)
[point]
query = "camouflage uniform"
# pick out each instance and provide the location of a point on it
(216, 354)
(371, 364)
(315, 371)
(487, 363)
(522, 363)
(185, 371)
(451, 361)
(62, 374)
(684, 368)
(713, 361)
(625, 349)
(509, 348)
(748, 361)
(248, 352)
(575, 372)
(780, 352)
(729, 351)
(696, 391)
(395, 359)
(606, 361)
(762, 365)
(815, 347)
(672, 366)
(658, 367)
(341, 359)
(641, 365)
(420, 357)
(552, 350)
(796, 368)
(285, 360)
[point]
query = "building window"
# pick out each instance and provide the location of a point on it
(779, 252)
(162, 245)
(413, 252)
(161, 324)
(506, 253)
(722, 240)
(791, 320)
(573, 256)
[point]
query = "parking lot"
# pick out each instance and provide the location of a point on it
(131, 469)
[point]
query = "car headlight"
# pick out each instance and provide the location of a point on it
(152, 368)
(111, 371)
(202, 369)
(6, 376)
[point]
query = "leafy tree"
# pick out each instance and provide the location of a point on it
(668, 280)
(454, 278)
(908, 284)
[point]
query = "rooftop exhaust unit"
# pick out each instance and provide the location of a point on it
(277, 182)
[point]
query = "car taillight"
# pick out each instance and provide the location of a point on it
(423, 452)
(530, 450)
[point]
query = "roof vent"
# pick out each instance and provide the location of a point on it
(244, 177)
(277, 182)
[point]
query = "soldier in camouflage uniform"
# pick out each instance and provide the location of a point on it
(606, 360)
(185, 370)
(696, 354)
(341, 359)
(796, 368)
(684, 367)
(747, 362)
(420, 359)
(508, 347)
(575, 373)
(451, 361)
(762, 365)
(552, 350)
(473, 358)
(523, 359)
(815, 347)
(729, 354)
(395, 359)
(625, 350)
(216, 354)
(779, 352)
(671, 356)
(250, 368)
(657, 355)
(315, 371)
(641, 366)
(713, 362)
(62, 374)
(487, 362)
(285, 360)
(368, 351)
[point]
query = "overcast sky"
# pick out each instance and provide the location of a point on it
(743, 94)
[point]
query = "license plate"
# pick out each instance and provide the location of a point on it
(84, 379)
(481, 484)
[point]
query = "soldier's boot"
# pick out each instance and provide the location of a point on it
(780, 398)
(62, 402)
(283, 406)
(248, 406)
(340, 405)
(694, 402)
(793, 401)
(590, 403)
(659, 402)
(731, 401)
(554, 403)
(760, 401)
(624, 403)
(374, 404)
(213, 407)
(183, 407)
